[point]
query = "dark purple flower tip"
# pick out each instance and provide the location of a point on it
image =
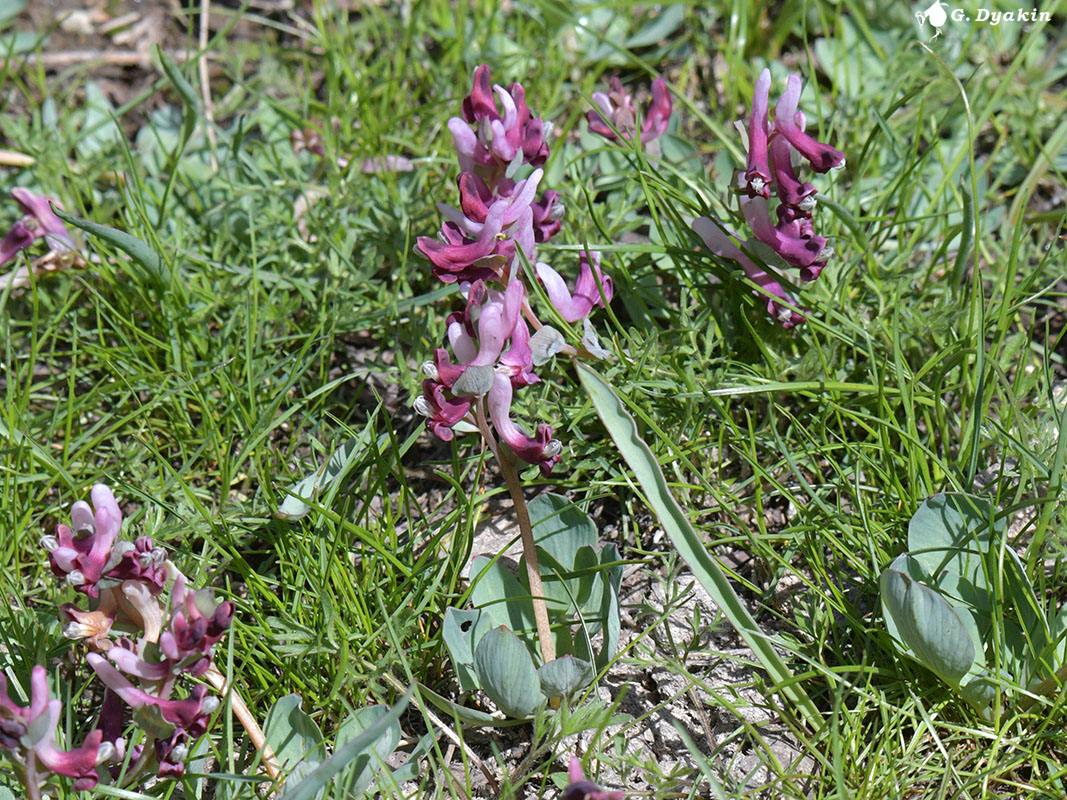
(540, 449)
(757, 178)
(579, 788)
(18, 238)
(793, 193)
(822, 157)
(474, 197)
(658, 115)
(441, 411)
(480, 103)
(547, 213)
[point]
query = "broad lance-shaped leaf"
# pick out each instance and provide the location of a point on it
(685, 539)
(506, 672)
(358, 776)
(564, 676)
(293, 736)
(347, 753)
(929, 626)
(140, 252)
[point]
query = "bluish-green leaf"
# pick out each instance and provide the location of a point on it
(356, 778)
(564, 676)
(685, 539)
(292, 734)
(346, 754)
(143, 255)
(506, 672)
(928, 625)
(461, 631)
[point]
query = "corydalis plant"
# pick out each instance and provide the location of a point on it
(772, 147)
(140, 648)
(616, 116)
(491, 352)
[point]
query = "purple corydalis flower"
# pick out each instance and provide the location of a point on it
(718, 240)
(17, 239)
(196, 625)
(586, 295)
(42, 220)
(757, 179)
(190, 714)
(821, 156)
(540, 449)
(30, 735)
(82, 553)
(189, 717)
(441, 411)
(615, 112)
(581, 789)
(801, 251)
(460, 258)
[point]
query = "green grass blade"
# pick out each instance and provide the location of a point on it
(639, 457)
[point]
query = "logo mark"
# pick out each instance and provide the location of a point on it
(936, 15)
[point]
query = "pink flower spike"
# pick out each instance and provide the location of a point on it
(581, 789)
(821, 156)
(540, 449)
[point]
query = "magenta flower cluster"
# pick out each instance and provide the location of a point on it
(615, 112)
(771, 151)
(38, 222)
(483, 246)
(124, 581)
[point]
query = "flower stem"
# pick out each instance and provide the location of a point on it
(247, 720)
(529, 549)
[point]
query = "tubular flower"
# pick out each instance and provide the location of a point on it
(718, 240)
(615, 112)
(82, 553)
(581, 789)
(577, 306)
(770, 164)
(540, 449)
(29, 736)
